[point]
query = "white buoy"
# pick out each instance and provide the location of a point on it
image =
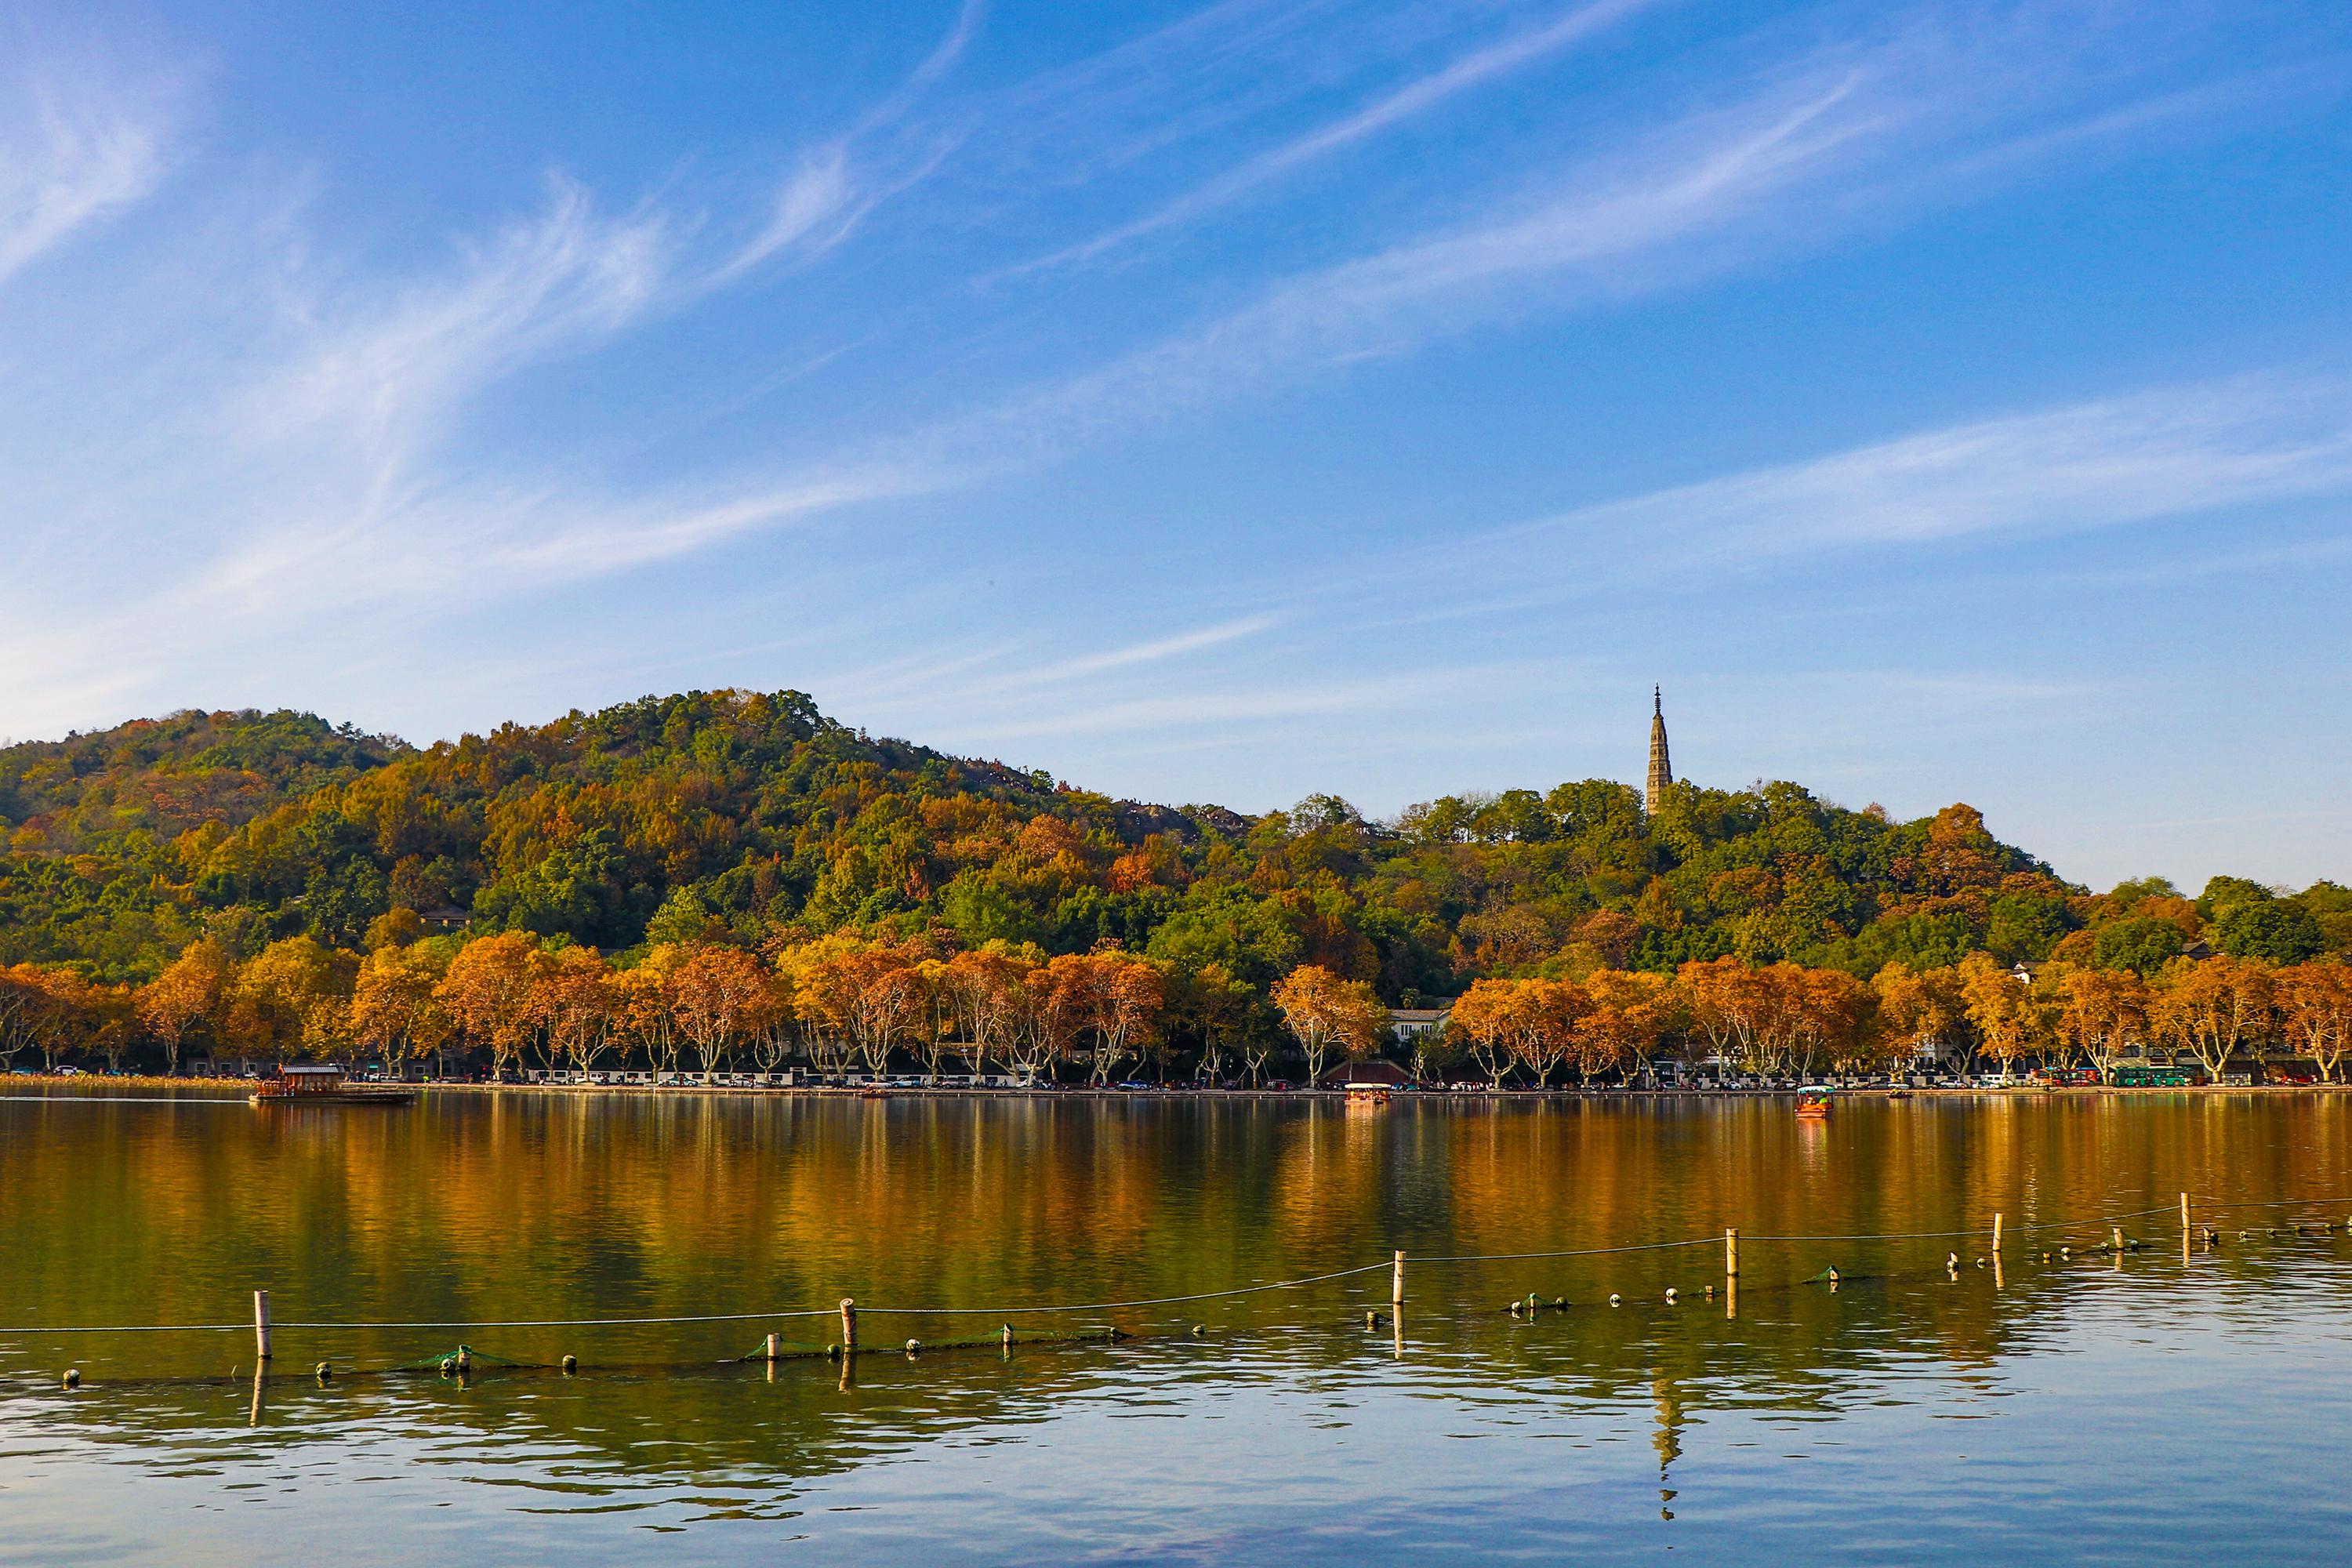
(914, 1345)
(1613, 1298)
(1670, 1295)
(73, 1377)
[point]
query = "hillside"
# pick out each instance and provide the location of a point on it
(732, 814)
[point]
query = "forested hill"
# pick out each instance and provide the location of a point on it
(728, 815)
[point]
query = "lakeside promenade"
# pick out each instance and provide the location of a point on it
(1478, 1093)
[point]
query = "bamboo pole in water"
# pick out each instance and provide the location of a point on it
(262, 1324)
(848, 1327)
(1996, 1233)
(1396, 1281)
(1731, 1254)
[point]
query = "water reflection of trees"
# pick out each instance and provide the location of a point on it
(479, 1207)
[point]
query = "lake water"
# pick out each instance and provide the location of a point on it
(2154, 1408)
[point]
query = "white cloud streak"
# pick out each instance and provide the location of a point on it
(1426, 93)
(2171, 452)
(74, 148)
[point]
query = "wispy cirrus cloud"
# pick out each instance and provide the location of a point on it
(2169, 452)
(385, 370)
(1418, 96)
(78, 142)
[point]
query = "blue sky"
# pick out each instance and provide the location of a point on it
(1219, 402)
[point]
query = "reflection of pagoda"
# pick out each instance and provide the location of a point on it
(1662, 769)
(1669, 1439)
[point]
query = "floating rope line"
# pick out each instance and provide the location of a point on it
(1980, 1231)
(1709, 1240)
(1580, 1252)
(520, 1323)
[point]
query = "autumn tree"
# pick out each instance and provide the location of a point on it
(492, 990)
(20, 994)
(1918, 1009)
(2314, 999)
(186, 996)
(645, 1007)
(396, 1006)
(1547, 1014)
(772, 1040)
(2212, 1007)
(988, 990)
(1830, 1017)
(1325, 1013)
(55, 1013)
(2105, 1011)
(1488, 1018)
(2009, 1016)
(578, 1004)
(1216, 1006)
(290, 999)
(1126, 998)
(719, 996)
(1628, 1012)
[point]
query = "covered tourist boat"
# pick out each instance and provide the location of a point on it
(1814, 1105)
(314, 1083)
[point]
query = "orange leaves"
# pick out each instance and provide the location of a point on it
(396, 1007)
(1780, 1016)
(1628, 1013)
(186, 994)
(2315, 1001)
(2105, 1011)
(2213, 1007)
(1155, 865)
(1046, 838)
(491, 992)
(721, 996)
(1918, 1008)
(1325, 1013)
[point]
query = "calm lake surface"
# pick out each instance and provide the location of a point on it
(2155, 1409)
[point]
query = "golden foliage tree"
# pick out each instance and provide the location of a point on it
(492, 990)
(2314, 999)
(2213, 1007)
(186, 996)
(396, 1006)
(1325, 1013)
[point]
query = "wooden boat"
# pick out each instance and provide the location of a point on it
(1814, 1105)
(313, 1084)
(1368, 1095)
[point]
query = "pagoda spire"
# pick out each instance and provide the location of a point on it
(1662, 768)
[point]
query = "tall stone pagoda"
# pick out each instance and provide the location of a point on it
(1662, 770)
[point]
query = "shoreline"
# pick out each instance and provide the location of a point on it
(1471, 1093)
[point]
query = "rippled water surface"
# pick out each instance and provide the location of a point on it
(2157, 1408)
